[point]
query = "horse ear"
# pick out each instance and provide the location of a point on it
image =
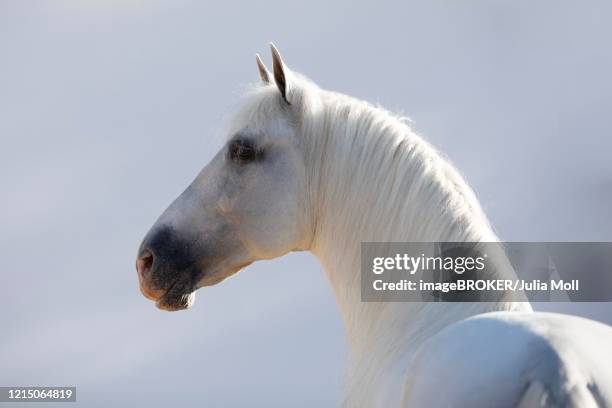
(264, 74)
(281, 73)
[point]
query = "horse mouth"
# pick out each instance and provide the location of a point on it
(176, 298)
(180, 294)
(173, 302)
(172, 299)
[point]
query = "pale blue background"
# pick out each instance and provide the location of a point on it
(109, 109)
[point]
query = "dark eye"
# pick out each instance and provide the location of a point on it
(242, 151)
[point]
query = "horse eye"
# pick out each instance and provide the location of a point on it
(242, 151)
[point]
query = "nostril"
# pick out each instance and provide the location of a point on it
(144, 263)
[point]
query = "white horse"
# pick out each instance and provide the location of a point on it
(306, 169)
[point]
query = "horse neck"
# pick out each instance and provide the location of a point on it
(374, 180)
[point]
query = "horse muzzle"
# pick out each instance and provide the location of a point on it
(165, 271)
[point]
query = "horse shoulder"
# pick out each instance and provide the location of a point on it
(509, 359)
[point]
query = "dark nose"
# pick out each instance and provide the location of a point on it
(152, 252)
(162, 256)
(144, 263)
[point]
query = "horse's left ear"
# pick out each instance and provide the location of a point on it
(281, 73)
(264, 74)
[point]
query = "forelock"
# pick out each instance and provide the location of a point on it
(262, 103)
(258, 105)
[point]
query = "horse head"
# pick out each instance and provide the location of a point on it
(248, 203)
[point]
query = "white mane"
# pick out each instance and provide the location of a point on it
(371, 179)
